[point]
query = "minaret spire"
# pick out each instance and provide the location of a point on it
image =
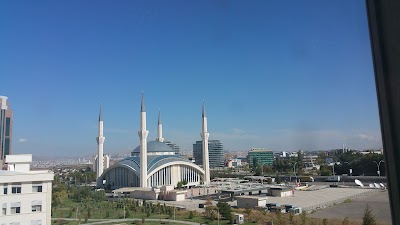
(159, 138)
(203, 113)
(204, 135)
(142, 108)
(100, 141)
(143, 145)
(101, 114)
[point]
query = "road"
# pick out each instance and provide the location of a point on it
(102, 221)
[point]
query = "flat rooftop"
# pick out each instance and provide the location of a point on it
(309, 200)
(130, 189)
(253, 197)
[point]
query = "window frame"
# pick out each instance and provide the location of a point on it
(384, 34)
(16, 189)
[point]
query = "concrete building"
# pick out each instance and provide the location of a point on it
(25, 196)
(260, 155)
(233, 163)
(251, 201)
(6, 119)
(216, 153)
(151, 164)
(309, 162)
(280, 191)
(167, 193)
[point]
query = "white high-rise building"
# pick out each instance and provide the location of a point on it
(25, 196)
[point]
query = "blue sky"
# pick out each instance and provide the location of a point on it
(280, 75)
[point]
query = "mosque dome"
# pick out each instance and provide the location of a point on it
(154, 147)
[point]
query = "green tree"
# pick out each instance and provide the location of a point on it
(59, 195)
(148, 212)
(278, 179)
(224, 209)
(368, 218)
(326, 170)
(212, 215)
(179, 185)
(209, 209)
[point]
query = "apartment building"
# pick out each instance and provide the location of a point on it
(25, 195)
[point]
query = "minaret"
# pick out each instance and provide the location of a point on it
(143, 145)
(100, 142)
(159, 138)
(204, 136)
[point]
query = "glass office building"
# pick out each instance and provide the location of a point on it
(215, 152)
(5, 128)
(260, 155)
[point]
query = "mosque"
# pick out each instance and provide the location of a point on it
(153, 163)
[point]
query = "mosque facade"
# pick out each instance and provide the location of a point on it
(162, 166)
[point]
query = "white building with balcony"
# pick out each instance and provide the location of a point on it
(25, 195)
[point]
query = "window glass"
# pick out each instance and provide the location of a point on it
(37, 188)
(36, 208)
(16, 190)
(15, 210)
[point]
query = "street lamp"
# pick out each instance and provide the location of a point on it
(262, 168)
(294, 170)
(379, 165)
(262, 172)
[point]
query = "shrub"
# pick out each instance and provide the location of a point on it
(368, 218)
(191, 215)
(345, 221)
(303, 218)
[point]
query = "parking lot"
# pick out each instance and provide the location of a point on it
(378, 201)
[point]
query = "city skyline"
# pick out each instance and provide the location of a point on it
(281, 81)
